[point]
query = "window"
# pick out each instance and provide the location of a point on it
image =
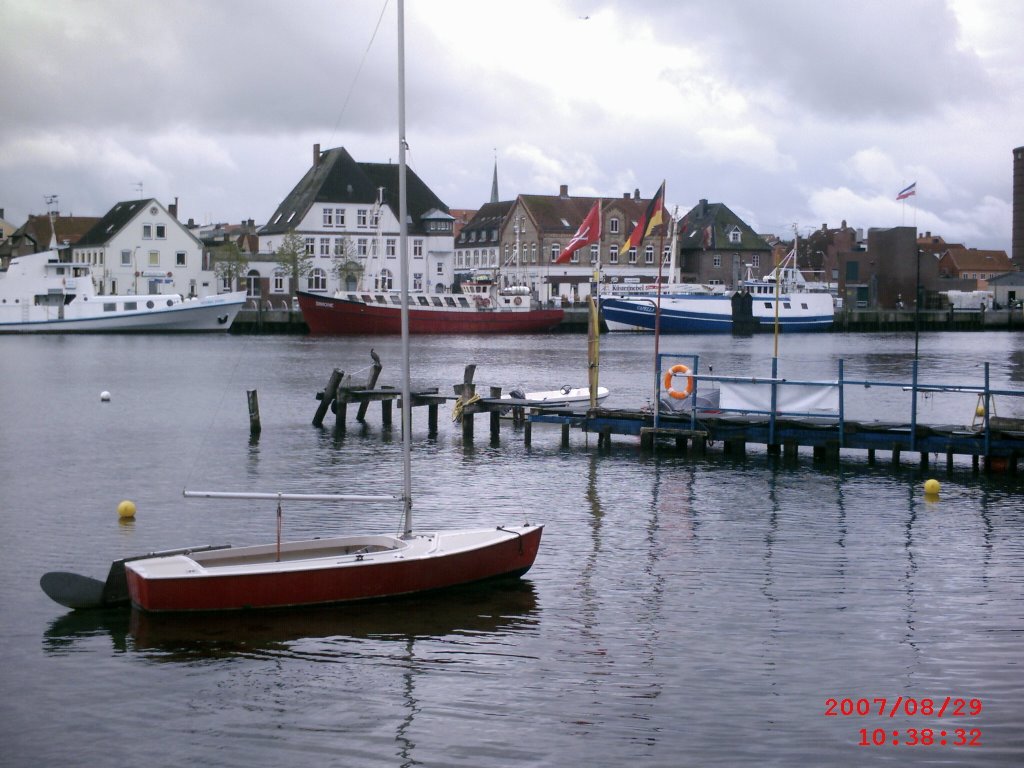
(225, 283)
(339, 217)
(755, 260)
(161, 232)
(417, 282)
(632, 255)
(555, 250)
(417, 249)
(154, 258)
(328, 217)
(649, 254)
(716, 262)
(390, 247)
(179, 259)
(361, 246)
(440, 268)
(339, 246)
(310, 245)
(361, 218)
(325, 246)
(317, 280)
(387, 280)
(533, 253)
(613, 225)
(147, 231)
(595, 250)
(375, 219)
(126, 258)
(734, 235)
(613, 255)
(253, 287)
(277, 286)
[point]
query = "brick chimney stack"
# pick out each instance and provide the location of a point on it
(316, 155)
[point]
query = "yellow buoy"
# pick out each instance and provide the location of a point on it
(126, 510)
(980, 411)
(931, 487)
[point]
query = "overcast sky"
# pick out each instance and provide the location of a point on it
(791, 112)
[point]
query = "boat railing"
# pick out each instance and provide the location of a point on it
(776, 397)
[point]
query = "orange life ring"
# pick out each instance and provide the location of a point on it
(671, 373)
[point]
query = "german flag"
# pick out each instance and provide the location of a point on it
(653, 216)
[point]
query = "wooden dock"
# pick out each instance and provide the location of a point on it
(996, 441)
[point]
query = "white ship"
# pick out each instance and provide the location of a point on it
(39, 293)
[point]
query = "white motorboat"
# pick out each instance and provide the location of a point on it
(40, 293)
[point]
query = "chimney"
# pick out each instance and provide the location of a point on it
(703, 209)
(563, 191)
(316, 155)
(636, 195)
(625, 195)
(173, 208)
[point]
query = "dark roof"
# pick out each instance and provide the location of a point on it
(722, 221)
(34, 235)
(337, 178)
(489, 218)
(115, 220)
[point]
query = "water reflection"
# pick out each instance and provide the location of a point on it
(471, 611)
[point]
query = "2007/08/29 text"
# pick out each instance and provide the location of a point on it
(909, 707)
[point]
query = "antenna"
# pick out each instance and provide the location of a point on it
(51, 204)
(138, 185)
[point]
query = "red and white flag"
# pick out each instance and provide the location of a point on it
(588, 233)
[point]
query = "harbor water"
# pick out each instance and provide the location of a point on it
(682, 611)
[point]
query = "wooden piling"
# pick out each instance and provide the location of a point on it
(327, 397)
(495, 392)
(370, 384)
(254, 413)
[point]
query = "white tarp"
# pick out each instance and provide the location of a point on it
(790, 398)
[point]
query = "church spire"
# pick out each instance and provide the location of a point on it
(494, 183)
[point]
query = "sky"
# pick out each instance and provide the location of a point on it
(794, 113)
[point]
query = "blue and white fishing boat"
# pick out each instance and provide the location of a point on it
(784, 295)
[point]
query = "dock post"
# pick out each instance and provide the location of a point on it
(254, 414)
(895, 456)
(495, 417)
(924, 459)
(385, 413)
(432, 420)
(327, 397)
(527, 433)
(949, 461)
(974, 462)
(370, 384)
(565, 434)
(790, 450)
(871, 457)
(774, 449)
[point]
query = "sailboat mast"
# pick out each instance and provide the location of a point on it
(403, 250)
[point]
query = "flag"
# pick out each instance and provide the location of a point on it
(709, 236)
(589, 232)
(652, 217)
(907, 192)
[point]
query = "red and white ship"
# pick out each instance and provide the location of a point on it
(482, 307)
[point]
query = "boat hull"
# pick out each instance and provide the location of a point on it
(714, 314)
(212, 314)
(251, 577)
(332, 316)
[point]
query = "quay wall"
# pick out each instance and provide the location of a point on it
(857, 320)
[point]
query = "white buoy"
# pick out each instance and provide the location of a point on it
(105, 396)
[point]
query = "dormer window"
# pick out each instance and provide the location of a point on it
(734, 235)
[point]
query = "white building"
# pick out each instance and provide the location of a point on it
(139, 247)
(346, 214)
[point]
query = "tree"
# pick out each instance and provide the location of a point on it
(293, 259)
(346, 265)
(229, 263)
